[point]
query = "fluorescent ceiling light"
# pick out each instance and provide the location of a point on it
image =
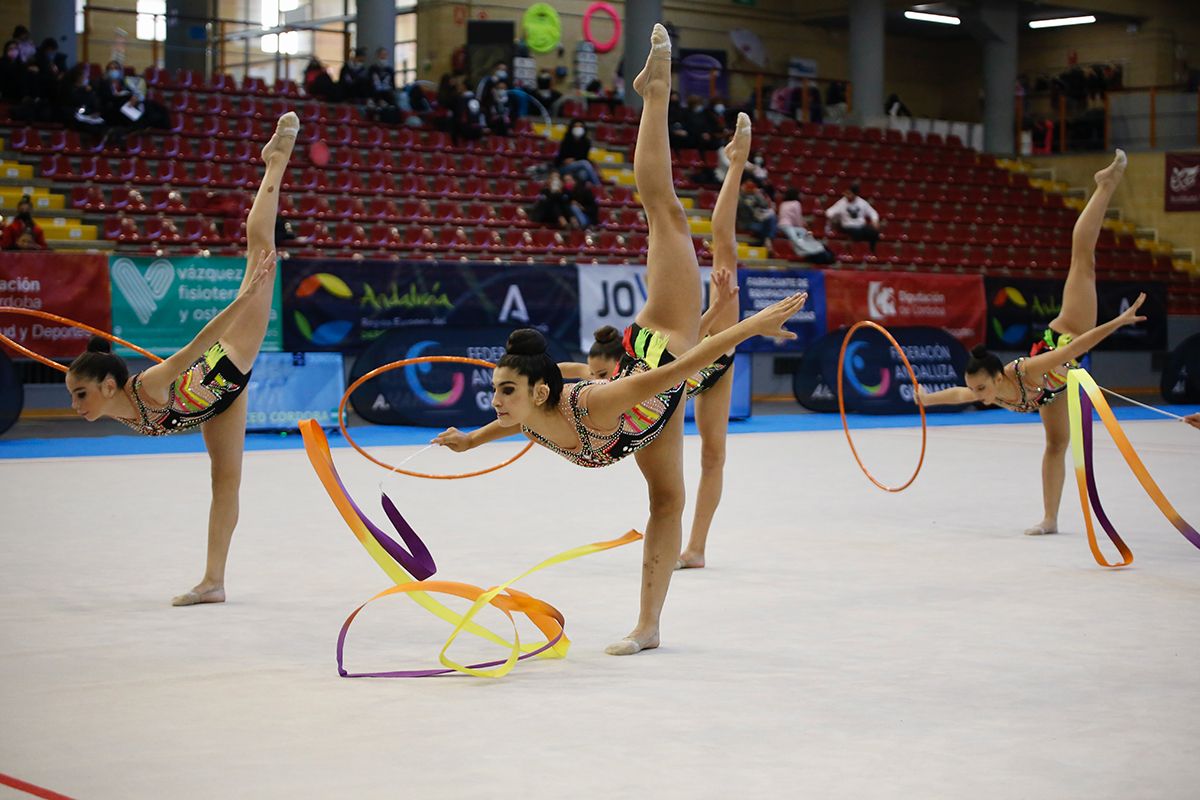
(1061, 21)
(921, 16)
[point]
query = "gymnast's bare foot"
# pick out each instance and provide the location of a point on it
(658, 63)
(1113, 171)
(738, 149)
(202, 593)
(1043, 528)
(690, 560)
(635, 642)
(284, 140)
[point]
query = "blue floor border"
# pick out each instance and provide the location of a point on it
(376, 436)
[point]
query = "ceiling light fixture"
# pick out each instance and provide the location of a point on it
(1059, 22)
(942, 19)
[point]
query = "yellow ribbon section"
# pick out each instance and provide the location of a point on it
(1083, 394)
(545, 616)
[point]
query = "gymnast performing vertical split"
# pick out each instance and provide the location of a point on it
(203, 385)
(712, 388)
(1032, 384)
(597, 423)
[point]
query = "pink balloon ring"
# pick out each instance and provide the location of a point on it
(602, 47)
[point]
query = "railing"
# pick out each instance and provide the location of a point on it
(1138, 118)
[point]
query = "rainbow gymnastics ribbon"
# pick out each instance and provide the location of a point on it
(1083, 394)
(410, 570)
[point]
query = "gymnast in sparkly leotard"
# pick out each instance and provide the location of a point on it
(204, 384)
(529, 385)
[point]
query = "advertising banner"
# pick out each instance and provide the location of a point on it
(954, 303)
(288, 387)
(70, 285)
(1019, 309)
(875, 379)
(344, 305)
(613, 294)
(161, 303)
(1181, 190)
(760, 288)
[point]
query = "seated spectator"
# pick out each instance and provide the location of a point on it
(553, 205)
(499, 74)
(48, 67)
(123, 102)
(573, 152)
(719, 119)
(467, 124)
(318, 82)
(677, 123)
(791, 224)
(585, 212)
(756, 214)
(354, 81)
(14, 76)
(80, 105)
(21, 232)
(383, 79)
(756, 169)
(418, 101)
(854, 217)
(545, 92)
(447, 93)
(699, 124)
(26, 50)
(496, 109)
(836, 104)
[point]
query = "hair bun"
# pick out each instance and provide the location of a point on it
(525, 342)
(979, 351)
(98, 344)
(606, 334)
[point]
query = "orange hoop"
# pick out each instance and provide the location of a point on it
(404, 362)
(29, 312)
(842, 406)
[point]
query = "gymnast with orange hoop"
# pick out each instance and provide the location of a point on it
(203, 385)
(597, 423)
(1033, 383)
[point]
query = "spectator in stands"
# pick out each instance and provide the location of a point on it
(573, 153)
(21, 232)
(447, 92)
(791, 224)
(14, 76)
(80, 104)
(553, 205)
(468, 123)
(854, 217)
(123, 104)
(545, 92)
(719, 118)
(585, 212)
(26, 50)
(699, 124)
(756, 214)
(354, 81)
(499, 74)
(48, 67)
(756, 170)
(894, 107)
(496, 109)
(318, 82)
(383, 79)
(418, 101)
(677, 122)
(836, 104)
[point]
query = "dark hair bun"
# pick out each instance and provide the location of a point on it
(980, 352)
(98, 344)
(606, 334)
(525, 342)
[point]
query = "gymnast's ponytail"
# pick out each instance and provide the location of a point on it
(526, 353)
(983, 361)
(608, 344)
(99, 362)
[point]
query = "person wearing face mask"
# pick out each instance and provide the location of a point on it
(573, 152)
(719, 119)
(354, 80)
(467, 124)
(383, 79)
(581, 203)
(26, 49)
(546, 94)
(497, 110)
(14, 75)
(79, 104)
(123, 104)
(21, 232)
(699, 125)
(553, 205)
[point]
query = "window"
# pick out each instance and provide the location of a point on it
(149, 26)
(79, 24)
(272, 12)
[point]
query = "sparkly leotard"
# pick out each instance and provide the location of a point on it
(645, 349)
(201, 392)
(1053, 382)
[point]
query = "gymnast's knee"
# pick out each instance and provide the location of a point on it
(1056, 446)
(667, 501)
(712, 456)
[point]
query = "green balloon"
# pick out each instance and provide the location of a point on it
(543, 31)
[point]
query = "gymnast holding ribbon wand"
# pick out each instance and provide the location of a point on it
(204, 384)
(1033, 383)
(597, 423)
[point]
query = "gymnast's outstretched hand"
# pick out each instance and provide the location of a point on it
(453, 438)
(770, 321)
(1193, 420)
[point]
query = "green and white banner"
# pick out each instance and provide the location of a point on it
(161, 303)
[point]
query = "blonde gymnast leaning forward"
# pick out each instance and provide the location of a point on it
(712, 387)
(1033, 383)
(204, 383)
(597, 423)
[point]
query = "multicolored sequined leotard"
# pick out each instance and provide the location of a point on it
(204, 390)
(1053, 382)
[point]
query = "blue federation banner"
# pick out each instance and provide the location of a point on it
(760, 288)
(288, 387)
(344, 305)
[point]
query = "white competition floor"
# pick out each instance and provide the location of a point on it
(843, 643)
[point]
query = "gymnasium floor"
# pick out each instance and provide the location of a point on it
(843, 642)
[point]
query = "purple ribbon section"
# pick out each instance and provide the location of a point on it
(418, 563)
(1085, 424)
